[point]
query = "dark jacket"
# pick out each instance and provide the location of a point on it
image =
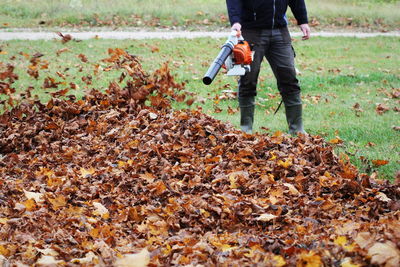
(265, 14)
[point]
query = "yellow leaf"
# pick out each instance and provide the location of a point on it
(4, 251)
(301, 229)
(87, 245)
(74, 210)
(336, 141)
(133, 143)
(30, 253)
(273, 156)
(3, 220)
(279, 261)
(227, 247)
(121, 164)
(141, 259)
(309, 259)
(30, 204)
(85, 172)
(232, 180)
(45, 172)
(342, 241)
(3, 52)
(167, 250)
(95, 232)
(58, 202)
(54, 181)
(183, 260)
(205, 213)
(285, 164)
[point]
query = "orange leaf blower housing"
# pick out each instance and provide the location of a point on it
(242, 53)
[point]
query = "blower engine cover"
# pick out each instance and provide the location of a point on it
(242, 53)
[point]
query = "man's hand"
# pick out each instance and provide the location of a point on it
(306, 31)
(237, 27)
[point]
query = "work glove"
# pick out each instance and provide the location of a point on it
(237, 27)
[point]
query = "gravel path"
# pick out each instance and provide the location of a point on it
(29, 35)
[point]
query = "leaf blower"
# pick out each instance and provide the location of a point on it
(235, 54)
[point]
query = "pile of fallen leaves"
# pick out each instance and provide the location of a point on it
(120, 178)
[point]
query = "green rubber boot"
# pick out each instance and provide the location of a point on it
(246, 105)
(294, 119)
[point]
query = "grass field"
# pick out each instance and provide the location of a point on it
(368, 14)
(343, 80)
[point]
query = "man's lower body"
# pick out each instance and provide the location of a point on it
(275, 45)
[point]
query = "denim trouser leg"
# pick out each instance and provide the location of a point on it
(275, 45)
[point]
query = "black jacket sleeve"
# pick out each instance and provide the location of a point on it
(234, 10)
(299, 10)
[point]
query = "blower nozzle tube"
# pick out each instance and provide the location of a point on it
(226, 50)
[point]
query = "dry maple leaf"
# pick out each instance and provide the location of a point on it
(30, 204)
(383, 197)
(266, 217)
(83, 58)
(343, 242)
(101, 210)
(380, 162)
(62, 50)
(90, 257)
(141, 259)
(293, 190)
(309, 259)
(385, 254)
(381, 108)
(336, 141)
(48, 252)
(48, 261)
(395, 93)
(347, 263)
(38, 197)
(65, 38)
(58, 202)
(155, 49)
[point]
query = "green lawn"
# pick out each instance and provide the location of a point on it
(343, 80)
(369, 14)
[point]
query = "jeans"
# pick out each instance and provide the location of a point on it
(276, 46)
